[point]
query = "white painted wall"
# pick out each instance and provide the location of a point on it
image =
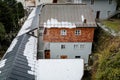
(70, 51)
(101, 5)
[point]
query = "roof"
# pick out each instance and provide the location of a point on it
(60, 69)
(32, 21)
(19, 61)
(67, 15)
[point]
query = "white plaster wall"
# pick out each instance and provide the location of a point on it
(101, 5)
(70, 51)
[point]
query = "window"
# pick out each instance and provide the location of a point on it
(75, 46)
(63, 32)
(77, 56)
(62, 46)
(82, 46)
(54, 1)
(110, 1)
(92, 1)
(109, 13)
(78, 32)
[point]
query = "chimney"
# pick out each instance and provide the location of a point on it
(85, 21)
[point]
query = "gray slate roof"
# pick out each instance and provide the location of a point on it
(16, 65)
(68, 13)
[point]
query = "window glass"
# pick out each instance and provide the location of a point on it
(62, 46)
(77, 32)
(63, 32)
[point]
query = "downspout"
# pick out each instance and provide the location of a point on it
(38, 32)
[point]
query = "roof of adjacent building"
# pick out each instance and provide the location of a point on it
(67, 15)
(60, 69)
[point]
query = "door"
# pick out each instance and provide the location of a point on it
(98, 15)
(47, 54)
(54, 1)
(63, 56)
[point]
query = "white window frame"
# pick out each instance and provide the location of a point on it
(77, 32)
(63, 32)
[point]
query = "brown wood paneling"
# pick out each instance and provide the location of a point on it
(47, 54)
(63, 56)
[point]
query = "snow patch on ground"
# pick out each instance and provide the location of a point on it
(55, 23)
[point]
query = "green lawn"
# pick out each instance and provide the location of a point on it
(112, 24)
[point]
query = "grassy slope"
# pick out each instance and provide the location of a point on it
(106, 57)
(112, 24)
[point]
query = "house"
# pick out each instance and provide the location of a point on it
(67, 31)
(103, 9)
(20, 60)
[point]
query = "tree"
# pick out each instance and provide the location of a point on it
(10, 13)
(2, 33)
(6, 16)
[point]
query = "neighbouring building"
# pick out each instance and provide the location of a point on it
(67, 31)
(103, 9)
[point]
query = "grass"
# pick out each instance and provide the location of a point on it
(112, 24)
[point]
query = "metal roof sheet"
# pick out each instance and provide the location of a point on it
(67, 13)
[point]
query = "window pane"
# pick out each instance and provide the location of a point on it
(63, 32)
(77, 56)
(62, 46)
(77, 32)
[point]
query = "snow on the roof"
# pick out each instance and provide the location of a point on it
(2, 63)
(77, 1)
(32, 14)
(28, 23)
(12, 45)
(55, 23)
(26, 27)
(82, 18)
(60, 69)
(30, 53)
